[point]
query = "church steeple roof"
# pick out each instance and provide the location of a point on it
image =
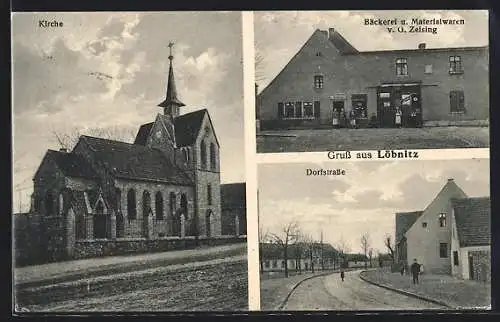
(171, 103)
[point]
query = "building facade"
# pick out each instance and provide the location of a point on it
(328, 77)
(109, 197)
(444, 236)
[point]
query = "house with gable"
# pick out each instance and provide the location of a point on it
(443, 238)
(328, 75)
(107, 197)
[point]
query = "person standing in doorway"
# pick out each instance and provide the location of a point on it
(415, 271)
(352, 117)
(397, 121)
(336, 118)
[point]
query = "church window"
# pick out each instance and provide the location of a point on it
(118, 199)
(159, 206)
(208, 223)
(49, 204)
(184, 211)
(442, 220)
(203, 154)
(131, 204)
(174, 220)
(209, 194)
(120, 226)
(81, 227)
(101, 222)
(213, 157)
(186, 154)
(61, 203)
(146, 203)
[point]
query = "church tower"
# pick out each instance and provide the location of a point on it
(171, 104)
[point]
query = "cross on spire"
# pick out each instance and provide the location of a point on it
(171, 104)
(170, 45)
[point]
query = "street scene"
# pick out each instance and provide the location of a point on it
(388, 235)
(129, 180)
(322, 84)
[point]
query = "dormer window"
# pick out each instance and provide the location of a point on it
(318, 81)
(424, 225)
(319, 54)
(442, 220)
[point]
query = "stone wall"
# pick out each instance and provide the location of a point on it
(91, 248)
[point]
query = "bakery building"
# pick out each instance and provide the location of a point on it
(328, 79)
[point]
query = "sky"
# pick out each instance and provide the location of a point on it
(109, 70)
(365, 200)
(280, 34)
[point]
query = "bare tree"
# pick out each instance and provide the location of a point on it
(259, 64)
(67, 140)
(286, 237)
(365, 245)
(263, 238)
(390, 247)
(310, 246)
(343, 249)
(299, 250)
(370, 255)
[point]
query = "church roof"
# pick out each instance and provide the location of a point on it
(137, 162)
(187, 127)
(233, 195)
(472, 217)
(404, 220)
(72, 165)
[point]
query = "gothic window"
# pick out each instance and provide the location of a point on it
(118, 199)
(209, 194)
(203, 154)
(131, 205)
(100, 222)
(146, 203)
(186, 154)
(49, 204)
(61, 203)
(442, 220)
(213, 157)
(159, 206)
(81, 227)
(120, 226)
(184, 205)
(175, 224)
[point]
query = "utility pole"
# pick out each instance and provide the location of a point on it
(322, 262)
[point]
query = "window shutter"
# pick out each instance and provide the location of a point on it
(281, 111)
(316, 109)
(461, 101)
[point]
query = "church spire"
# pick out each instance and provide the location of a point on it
(171, 103)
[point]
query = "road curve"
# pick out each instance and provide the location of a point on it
(330, 293)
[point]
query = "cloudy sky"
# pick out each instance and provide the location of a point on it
(279, 35)
(364, 200)
(56, 87)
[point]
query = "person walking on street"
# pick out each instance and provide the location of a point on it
(402, 270)
(415, 271)
(342, 274)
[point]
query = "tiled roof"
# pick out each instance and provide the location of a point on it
(472, 217)
(187, 127)
(143, 133)
(233, 195)
(404, 220)
(342, 44)
(72, 165)
(133, 161)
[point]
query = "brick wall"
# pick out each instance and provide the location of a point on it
(481, 265)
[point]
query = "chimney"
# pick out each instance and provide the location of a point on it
(63, 150)
(331, 31)
(421, 46)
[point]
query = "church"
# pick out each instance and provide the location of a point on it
(107, 197)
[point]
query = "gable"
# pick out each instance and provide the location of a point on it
(206, 127)
(318, 42)
(187, 127)
(440, 203)
(143, 133)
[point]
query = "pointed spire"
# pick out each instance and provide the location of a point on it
(171, 103)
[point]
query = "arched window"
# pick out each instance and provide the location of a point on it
(131, 205)
(174, 223)
(118, 199)
(100, 221)
(61, 203)
(184, 204)
(146, 203)
(184, 211)
(213, 157)
(203, 154)
(49, 204)
(209, 194)
(81, 227)
(159, 205)
(172, 204)
(120, 226)
(186, 154)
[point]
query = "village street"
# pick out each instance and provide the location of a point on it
(372, 139)
(330, 293)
